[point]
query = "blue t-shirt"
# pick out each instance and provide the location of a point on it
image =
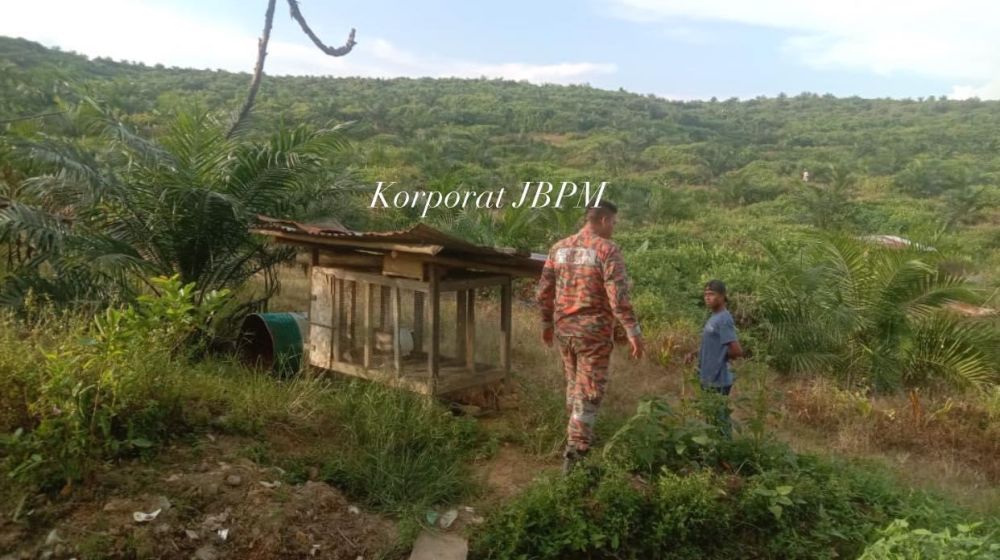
(714, 356)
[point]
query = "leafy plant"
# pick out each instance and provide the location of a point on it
(105, 389)
(874, 315)
(899, 542)
(97, 224)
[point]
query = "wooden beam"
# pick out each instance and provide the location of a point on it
(351, 317)
(397, 358)
(321, 302)
(526, 271)
(369, 323)
(472, 283)
(454, 378)
(383, 308)
(338, 296)
(418, 321)
(356, 260)
(423, 249)
(484, 263)
(407, 266)
(506, 311)
(434, 326)
(470, 332)
(378, 279)
(461, 316)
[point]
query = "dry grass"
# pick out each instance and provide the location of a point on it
(948, 442)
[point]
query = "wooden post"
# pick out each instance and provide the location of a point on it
(352, 316)
(337, 285)
(397, 358)
(418, 321)
(470, 332)
(434, 327)
(506, 310)
(369, 324)
(461, 315)
(383, 305)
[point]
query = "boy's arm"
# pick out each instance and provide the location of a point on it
(728, 338)
(734, 350)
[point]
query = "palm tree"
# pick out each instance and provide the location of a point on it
(875, 315)
(98, 224)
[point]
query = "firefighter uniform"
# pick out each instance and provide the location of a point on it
(582, 292)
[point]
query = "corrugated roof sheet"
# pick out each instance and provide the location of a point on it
(419, 234)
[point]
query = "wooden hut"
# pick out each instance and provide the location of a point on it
(376, 301)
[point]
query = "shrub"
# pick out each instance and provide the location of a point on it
(396, 450)
(900, 542)
(877, 316)
(102, 389)
(668, 487)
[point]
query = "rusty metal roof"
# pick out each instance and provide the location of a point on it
(419, 238)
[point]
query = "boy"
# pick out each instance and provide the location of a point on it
(719, 346)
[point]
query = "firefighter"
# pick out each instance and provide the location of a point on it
(582, 292)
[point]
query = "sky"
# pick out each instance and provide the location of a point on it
(677, 49)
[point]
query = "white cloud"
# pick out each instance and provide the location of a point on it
(955, 41)
(155, 32)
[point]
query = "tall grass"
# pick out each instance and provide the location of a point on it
(81, 391)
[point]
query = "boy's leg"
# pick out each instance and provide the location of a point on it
(722, 414)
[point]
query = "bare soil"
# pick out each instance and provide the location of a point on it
(213, 502)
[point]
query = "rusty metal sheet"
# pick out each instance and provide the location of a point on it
(419, 234)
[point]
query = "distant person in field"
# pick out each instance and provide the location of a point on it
(719, 346)
(583, 290)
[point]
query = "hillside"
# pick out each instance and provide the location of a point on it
(869, 394)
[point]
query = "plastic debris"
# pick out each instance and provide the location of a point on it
(432, 517)
(448, 518)
(141, 517)
(267, 484)
(223, 533)
(354, 510)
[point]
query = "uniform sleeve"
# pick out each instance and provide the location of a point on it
(545, 295)
(727, 331)
(616, 284)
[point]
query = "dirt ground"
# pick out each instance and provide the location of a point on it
(209, 501)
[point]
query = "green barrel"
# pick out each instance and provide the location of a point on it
(275, 341)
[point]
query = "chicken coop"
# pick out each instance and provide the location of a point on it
(377, 301)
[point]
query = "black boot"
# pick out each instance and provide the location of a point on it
(571, 457)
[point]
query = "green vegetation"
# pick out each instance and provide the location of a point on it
(125, 383)
(113, 173)
(876, 316)
(670, 486)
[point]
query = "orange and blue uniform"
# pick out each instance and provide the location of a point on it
(583, 290)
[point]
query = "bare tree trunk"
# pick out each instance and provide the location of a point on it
(258, 70)
(293, 8)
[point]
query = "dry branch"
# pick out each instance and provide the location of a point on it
(293, 7)
(258, 70)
